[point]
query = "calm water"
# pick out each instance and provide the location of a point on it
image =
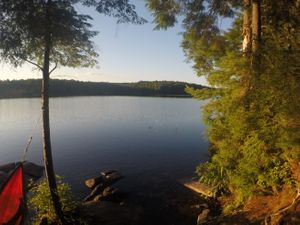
(145, 138)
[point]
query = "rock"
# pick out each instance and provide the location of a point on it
(113, 178)
(107, 172)
(97, 191)
(108, 177)
(196, 186)
(203, 216)
(198, 206)
(204, 205)
(109, 191)
(93, 182)
(98, 198)
(101, 183)
(106, 194)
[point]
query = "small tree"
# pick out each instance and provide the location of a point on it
(48, 33)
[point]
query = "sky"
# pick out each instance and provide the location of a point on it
(127, 53)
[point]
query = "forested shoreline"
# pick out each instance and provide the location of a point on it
(252, 115)
(61, 88)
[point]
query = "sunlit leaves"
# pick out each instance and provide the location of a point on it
(253, 112)
(40, 200)
(23, 27)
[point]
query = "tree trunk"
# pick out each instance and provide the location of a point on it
(246, 27)
(47, 151)
(256, 25)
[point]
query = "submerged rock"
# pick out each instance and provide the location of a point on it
(101, 185)
(93, 182)
(108, 177)
(107, 172)
(203, 216)
(97, 191)
(107, 194)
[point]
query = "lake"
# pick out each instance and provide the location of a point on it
(153, 141)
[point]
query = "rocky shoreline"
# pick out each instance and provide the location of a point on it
(106, 204)
(186, 203)
(167, 201)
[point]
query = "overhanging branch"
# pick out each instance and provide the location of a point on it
(54, 68)
(35, 64)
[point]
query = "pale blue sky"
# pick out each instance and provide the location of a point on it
(127, 53)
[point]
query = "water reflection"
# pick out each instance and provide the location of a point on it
(137, 135)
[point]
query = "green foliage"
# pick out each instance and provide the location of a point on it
(58, 88)
(253, 116)
(214, 176)
(40, 199)
(122, 10)
(253, 112)
(25, 24)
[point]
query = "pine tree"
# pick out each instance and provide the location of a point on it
(253, 69)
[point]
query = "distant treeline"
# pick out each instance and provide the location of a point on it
(60, 88)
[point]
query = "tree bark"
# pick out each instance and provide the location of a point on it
(256, 25)
(47, 150)
(246, 27)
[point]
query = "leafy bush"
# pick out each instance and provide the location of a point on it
(212, 175)
(40, 199)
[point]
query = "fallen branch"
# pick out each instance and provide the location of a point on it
(284, 209)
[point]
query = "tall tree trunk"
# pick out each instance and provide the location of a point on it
(256, 25)
(47, 151)
(247, 27)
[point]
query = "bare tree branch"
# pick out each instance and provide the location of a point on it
(35, 64)
(54, 68)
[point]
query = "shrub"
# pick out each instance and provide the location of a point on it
(40, 200)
